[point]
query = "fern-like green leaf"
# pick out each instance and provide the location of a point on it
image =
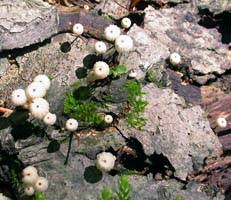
(124, 189)
(106, 195)
(39, 196)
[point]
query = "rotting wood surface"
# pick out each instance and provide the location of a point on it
(26, 22)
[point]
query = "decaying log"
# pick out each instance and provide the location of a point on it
(190, 93)
(226, 142)
(217, 104)
(26, 22)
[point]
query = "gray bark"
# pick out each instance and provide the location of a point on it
(25, 22)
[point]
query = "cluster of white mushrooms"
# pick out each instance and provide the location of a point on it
(33, 182)
(33, 99)
(112, 33)
(101, 70)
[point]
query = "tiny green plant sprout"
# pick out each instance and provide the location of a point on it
(123, 192)
(136, 103)
(178, 198)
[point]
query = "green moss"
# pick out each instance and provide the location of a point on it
(136, 103)
(151, 77)
(83, 111)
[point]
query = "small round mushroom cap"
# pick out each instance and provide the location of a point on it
(50, 119)
(78, 29)
(123, 43)
(221, 122)
(100, 47)
(35, 90)
(105, 161)
(30, 175)
(29, 190)
(101, 70)
(41, 184)
(71, 124)
(44, 80)
(18, 97)
(39, 107)
(175, 58)
(126, 22)
(108, 119)
(112, 32)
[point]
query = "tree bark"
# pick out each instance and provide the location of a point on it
(25, 22)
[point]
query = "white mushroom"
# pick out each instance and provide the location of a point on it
(175, 58)
(100, 47)
(108, 119)
(78, 29)
(50, 119)
(71, 125)
(39, 107)
(124, 43)
(105, 161)
(18, 97)
(101, 70)
(112, 32)
(41, 184)
(126, 22)
(35, 90)
(44, 80)
(221, 122)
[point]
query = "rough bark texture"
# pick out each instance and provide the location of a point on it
(25, 22)
(175, 129)
(179, 133)
(176, 30)
(215, 6)
(28, 22)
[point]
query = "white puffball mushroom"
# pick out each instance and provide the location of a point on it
(221, 122)
(100, 47)
(78, 29)
(41, 184)
(35, 90)
(126, 22)
(50, 119)
(101, 70)
(44, 80)
(30, 175)
(175, 58)
(123, 43)
(71, 124)
(105, 161)
(29, 190)
(2, 197)
(132, 74)
(18, 97)
(39, 107)
(29, 170)
(108, 119)
(112, 32)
